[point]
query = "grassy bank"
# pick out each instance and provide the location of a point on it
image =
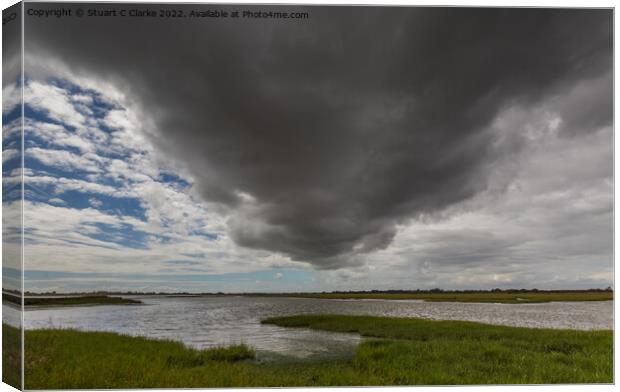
(11, 357)
(410, 352)
(491, 297)
(418, 351)
(70, 301)
(82, 300)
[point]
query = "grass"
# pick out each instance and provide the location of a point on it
(417, 351)
(397, 352)
(493, 297)
(11, 356)
(507, 297)
(69, 359)
(80, 300)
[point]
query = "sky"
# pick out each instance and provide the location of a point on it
(360, 148)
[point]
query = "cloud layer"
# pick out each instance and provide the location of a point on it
(320, 139)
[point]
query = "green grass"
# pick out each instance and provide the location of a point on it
(11, 357)
(69, 301)
(418, 351)
(64, 359)
(494, 297)
(81, 300)
(397, 352)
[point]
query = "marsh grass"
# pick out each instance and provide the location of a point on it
(418, 351)
(396, 352)
(199, 358)
(79, 300)
(481, 297)
(11, 357)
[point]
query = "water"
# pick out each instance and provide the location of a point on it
(203, 322)
(11, 315)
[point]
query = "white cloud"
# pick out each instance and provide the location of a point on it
(11, 97)
(11, 129)
(82, 99)
(63, 159)
(62, 184)
(62, 238)
(9, 154)
(54, 101)
(58, 135)
(96, 203)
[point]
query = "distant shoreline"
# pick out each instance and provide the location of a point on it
(293, 293)
(69, 300)
(505, 297)
(486, 297)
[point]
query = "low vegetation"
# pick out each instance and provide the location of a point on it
(486, 296)
(82, 300)
(397, 351)
(511, 296)
(417, 351)
(70, 300)
(11, 357)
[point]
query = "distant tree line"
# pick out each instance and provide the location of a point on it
(453, 291)
(12, 293)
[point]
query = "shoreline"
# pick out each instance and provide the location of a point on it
(505, 297)
(65, 301)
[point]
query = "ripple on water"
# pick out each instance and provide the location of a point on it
(204, 322)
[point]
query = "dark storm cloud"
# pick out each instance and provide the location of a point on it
(342, 126)
(11, 44)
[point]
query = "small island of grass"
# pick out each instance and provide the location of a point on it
(70, 300)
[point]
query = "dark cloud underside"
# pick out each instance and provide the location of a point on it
(342, 126)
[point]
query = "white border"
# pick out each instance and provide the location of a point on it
(478, 3)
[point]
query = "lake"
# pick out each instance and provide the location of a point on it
(203, 322)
